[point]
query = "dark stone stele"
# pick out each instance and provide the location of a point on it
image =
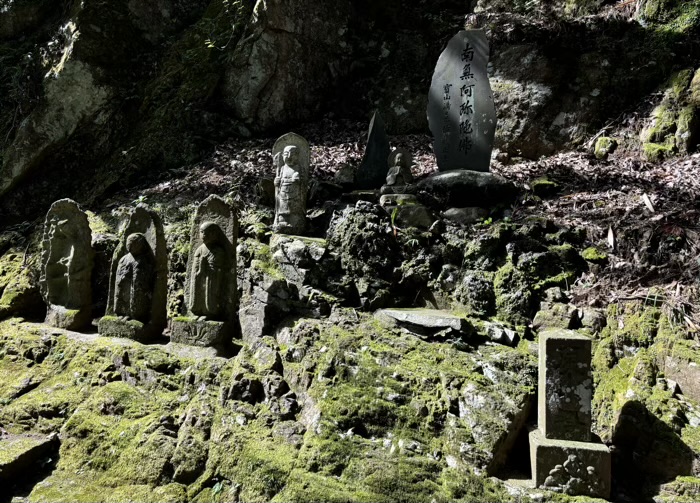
(461, 112)
(373, 171)
(138, 281)
(67, 259)
(210, 284)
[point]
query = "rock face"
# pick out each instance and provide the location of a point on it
(276, 77)
(138, 284)
(67, 260)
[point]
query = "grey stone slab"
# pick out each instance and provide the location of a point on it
(373, 170)
(565, 386)
(426, 318)
(573, 468)
(20, 454)
(461, 112)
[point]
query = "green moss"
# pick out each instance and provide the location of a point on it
(544, 187)
(663, 124)
(632, 324)
(604, 146)
(594, 255)
(19, 292)
(694, 94)
(655, 152)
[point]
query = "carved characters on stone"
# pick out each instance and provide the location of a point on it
(291, 157)
(136, 306)
(461, 111)
(67, 260)
(210, 283)
(400, 162)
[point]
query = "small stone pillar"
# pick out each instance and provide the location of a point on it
(66, 266)
(138, 280)
(210, 284)
(562, 455)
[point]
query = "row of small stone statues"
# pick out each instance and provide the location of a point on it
(136, 306)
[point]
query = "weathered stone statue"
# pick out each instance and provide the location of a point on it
(210, 284)
(207, 275)
(400, 168)
(398, 197)
(291, 156)
(136, 306)
(67, 260)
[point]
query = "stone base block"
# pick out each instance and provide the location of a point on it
(70, 319)
(113, 326)
(569, 467)
(203, 333)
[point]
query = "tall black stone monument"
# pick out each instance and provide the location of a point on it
(461, 113)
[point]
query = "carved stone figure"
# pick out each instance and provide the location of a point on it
(291, 156)
(136, 307)
(134, 281)
(67, 260)
(205, 294)
(210, 284)
(400, 170)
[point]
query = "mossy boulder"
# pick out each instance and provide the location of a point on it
(604, 146)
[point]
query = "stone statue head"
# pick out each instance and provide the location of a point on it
(398, 161)
(290, 155)
(137, 244)
(209, 232)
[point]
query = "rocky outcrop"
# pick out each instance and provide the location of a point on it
(290, 60)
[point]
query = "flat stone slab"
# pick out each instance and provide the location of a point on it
(463, 188)
(21, 453)
(686, 374)
(203, 333)
(574, 468)
(425, 318)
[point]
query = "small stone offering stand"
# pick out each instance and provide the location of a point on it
(563, 455)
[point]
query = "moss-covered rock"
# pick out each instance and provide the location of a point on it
(604, 146)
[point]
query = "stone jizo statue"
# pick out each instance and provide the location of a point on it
(134, 280)
(291, 157)
(400, 170)
(138, 281)
(208, 273)
(288, 188)
(67, 260)
(210, 300)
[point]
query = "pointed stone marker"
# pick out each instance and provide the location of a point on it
(461, 113)
(372, 172)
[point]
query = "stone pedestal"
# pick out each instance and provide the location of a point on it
(574, 468)
(204, 333)
(70, 319)
(126, 328)
(562, 456)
